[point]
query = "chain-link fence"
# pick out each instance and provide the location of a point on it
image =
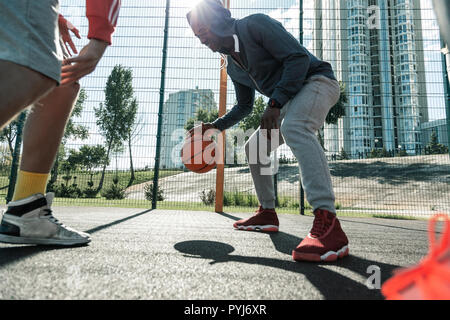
(388, 154)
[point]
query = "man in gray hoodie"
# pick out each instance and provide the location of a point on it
(263, 56)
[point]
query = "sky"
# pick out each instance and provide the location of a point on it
(137, 44)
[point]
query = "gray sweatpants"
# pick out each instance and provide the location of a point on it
(300, 119)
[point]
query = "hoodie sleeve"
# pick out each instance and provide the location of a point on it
(245, 98)
(272, 36)
(102, 16)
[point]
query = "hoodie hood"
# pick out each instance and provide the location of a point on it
(215, 16)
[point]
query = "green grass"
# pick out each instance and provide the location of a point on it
(82, 178)
(198, 206)
(191, 206)
(235, 202)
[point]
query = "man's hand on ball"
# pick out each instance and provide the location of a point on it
(202, 128)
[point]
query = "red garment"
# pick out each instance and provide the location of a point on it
(102, 16)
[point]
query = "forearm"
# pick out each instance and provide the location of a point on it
(236, 114)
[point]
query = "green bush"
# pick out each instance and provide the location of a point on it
(208, 197)
(252, 200)
(239, 199)
(115, 191)
(64, 191)
(227, 199)
(284, 202)
(148, 192)
(90, 193)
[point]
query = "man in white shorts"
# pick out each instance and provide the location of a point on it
(32, 74)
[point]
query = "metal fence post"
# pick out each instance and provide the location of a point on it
(160, 110)
(302, 191)
(16, 156)
(275, 178)
(446, 75)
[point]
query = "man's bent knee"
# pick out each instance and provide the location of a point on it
(295, 131)
(70, 91)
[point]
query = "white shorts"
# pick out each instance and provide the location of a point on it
(29, 35)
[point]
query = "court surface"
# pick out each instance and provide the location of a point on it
(136, 254)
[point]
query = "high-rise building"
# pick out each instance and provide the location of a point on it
(376, 49)
(178, 109)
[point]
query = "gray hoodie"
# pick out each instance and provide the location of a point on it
(275, 64)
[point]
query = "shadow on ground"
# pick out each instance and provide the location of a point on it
(16, 253)
(331, 284)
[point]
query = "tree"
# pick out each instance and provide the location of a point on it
(70, 165)
(343, 155)
(321, 139)
(113, 118)
(384, 153)
(8, 135)
(132, 133)
(90, 158)
(5, 159)
(434, 147)
(202, 115)
(338, 110)
(253, 120)
(72, 131)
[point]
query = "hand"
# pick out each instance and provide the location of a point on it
(64, 27)
(84, 63)
(270, 119)
(204, 127)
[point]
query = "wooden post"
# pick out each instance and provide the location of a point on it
(220, 172)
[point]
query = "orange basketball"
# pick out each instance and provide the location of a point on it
(199, 155)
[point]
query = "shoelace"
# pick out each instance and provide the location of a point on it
(51, 217)
(430, 274)
(320, 225)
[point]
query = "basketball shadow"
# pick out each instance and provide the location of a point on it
(331, 284)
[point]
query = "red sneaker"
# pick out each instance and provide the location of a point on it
(430, 279)
(265, 220)
(325, 242)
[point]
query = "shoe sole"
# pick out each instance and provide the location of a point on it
(330, 256)
(58, 242)
(258, 228)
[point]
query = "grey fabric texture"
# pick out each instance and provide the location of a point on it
(29, 35)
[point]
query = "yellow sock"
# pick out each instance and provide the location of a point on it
(29, 183)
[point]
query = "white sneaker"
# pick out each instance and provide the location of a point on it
(30, 221)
